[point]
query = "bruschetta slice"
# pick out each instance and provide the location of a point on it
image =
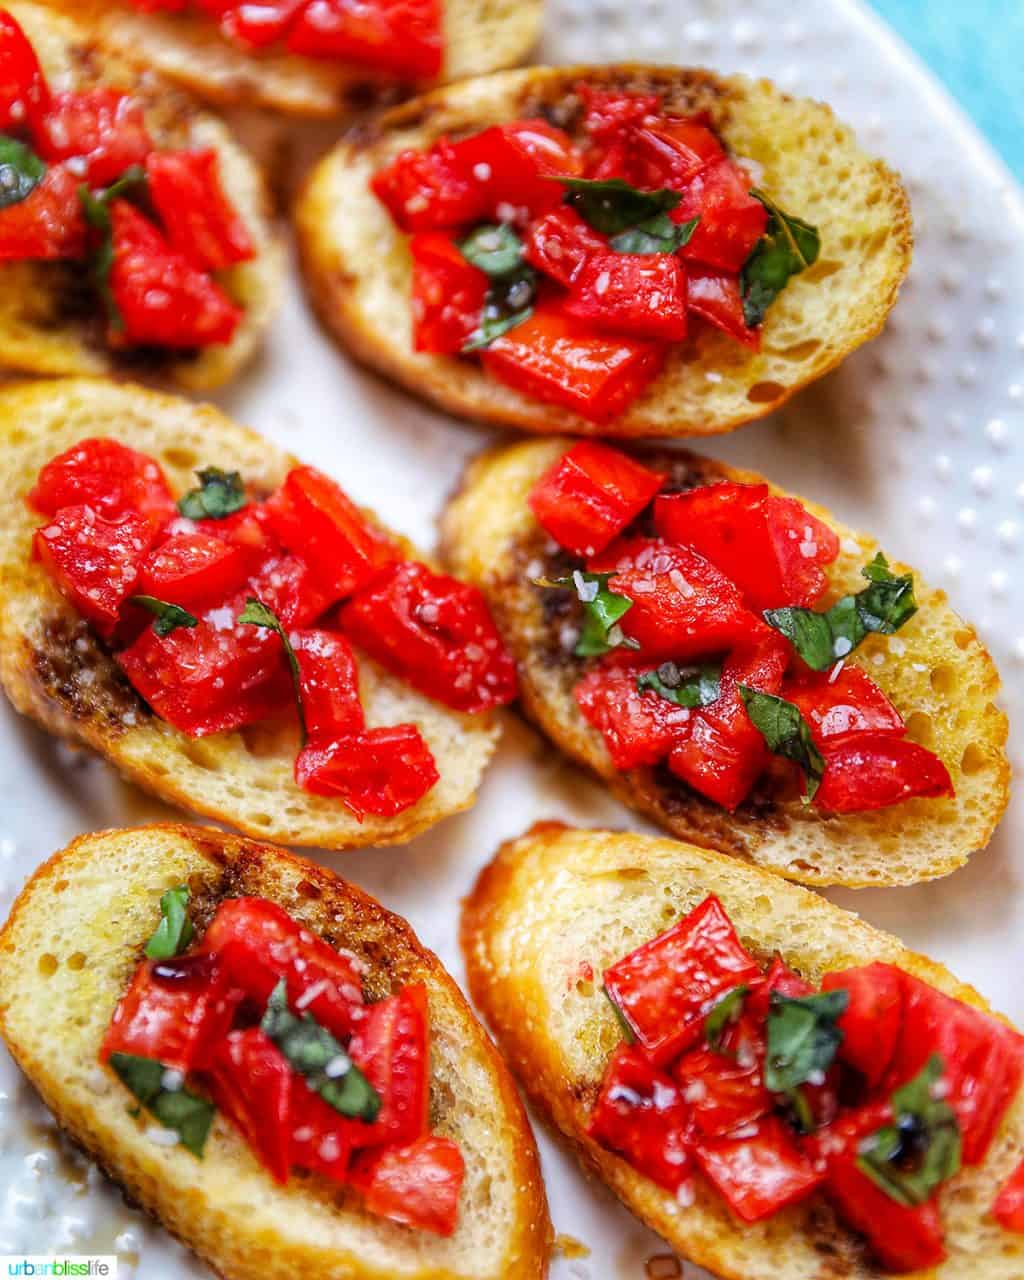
(314, 58)
(405, 1153)
(135, 232)
(735, 663)
(769, 1083)
(226, 627)
(619, 251)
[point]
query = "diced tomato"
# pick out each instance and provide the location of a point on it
(46, 226)
(641, 294)
(715, 297)
(436, 633)
(640, 1113)
(850, 702)
(983, 1060)
(248, 530)
(638, 727)
(252, 1083)
(319, 1137)
(448, 294)
(560, 243)
(590, 494)
(723, 1094)
(198, 218)
(418, 1185)
(330, 684)
(554, 358)
(781, 978)
(191, 569)
(287, 585)
(400, 37)
(760, 1174)
(392, 1049)
(175, 1011)
(102, 128)
(683, 607)
(429, 191)
(515, 164)
(874, 770)
(1009, 1206)
(671, 153)
(94, 562)
(107, 476)
(259, 943)
(316, 520)
(607, 112)
(24, 96)
(380, 771)
(162, 299)
(872, 1021)
(255, 24)
(732, 221)
(663, 988)
(772, 548)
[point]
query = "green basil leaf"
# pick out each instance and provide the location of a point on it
(188, 1115)
(695, 686)
(219, 495)
(612, 206)
(723, 1013)
(316, 1055)
(655, 235)
(257, 614)
(602, 611)
(174, 932)
(823, 638)
(168, 617)
(910, 1158)
(786, 733)
(495, 248)
(509, 302)
(802, 1040)
(789, 245)
(21, 171)
(96, 208)
(628, 1033)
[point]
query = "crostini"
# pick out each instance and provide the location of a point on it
(184, 598)
(269, 1062)
(623, 251)
(134, 231)
(768, 1082)
(314, 58)
(734, 662)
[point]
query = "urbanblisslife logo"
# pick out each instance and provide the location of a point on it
(41, 1267)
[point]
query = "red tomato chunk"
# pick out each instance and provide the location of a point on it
(418, 1185)
(758, 1174)
(49, 225)
(643, 295)
(379, 771)
(200, 221)
(638, 727)
(874, 770)
(448, 295)
(1009, 1205)
(107, 476)
(102, 130)
(193, 569)
(24, 96)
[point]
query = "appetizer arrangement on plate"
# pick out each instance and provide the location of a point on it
(774, 1086)
(134, 232)
(228, 629)
(269, 1062)
(627, 251)
(313, 57)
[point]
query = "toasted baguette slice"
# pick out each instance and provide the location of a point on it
(936, 671)
(555, 908)
(480, 36)
(54, 669)
(47, 324)
(358, 268)
(70, 946)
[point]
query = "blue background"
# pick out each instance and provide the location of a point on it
(977, 48)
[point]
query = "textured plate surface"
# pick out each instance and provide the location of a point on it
(919, 438)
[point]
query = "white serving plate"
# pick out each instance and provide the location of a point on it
(919, 438)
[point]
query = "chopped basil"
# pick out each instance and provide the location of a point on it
(696, 686)
(655, 235)
(315, 1054)
(910, 1158)
(188, 1115)
(612, 206)
(219, 495)
(494, 247)
(802, 1039)
(789, 245)
(822, 638)
(21, 171)
(723, 1014)
(167, 617)
(602, 612)
(785, 732)
(174, 932)
(257, 614)
(96, 208)
(628, 1033)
